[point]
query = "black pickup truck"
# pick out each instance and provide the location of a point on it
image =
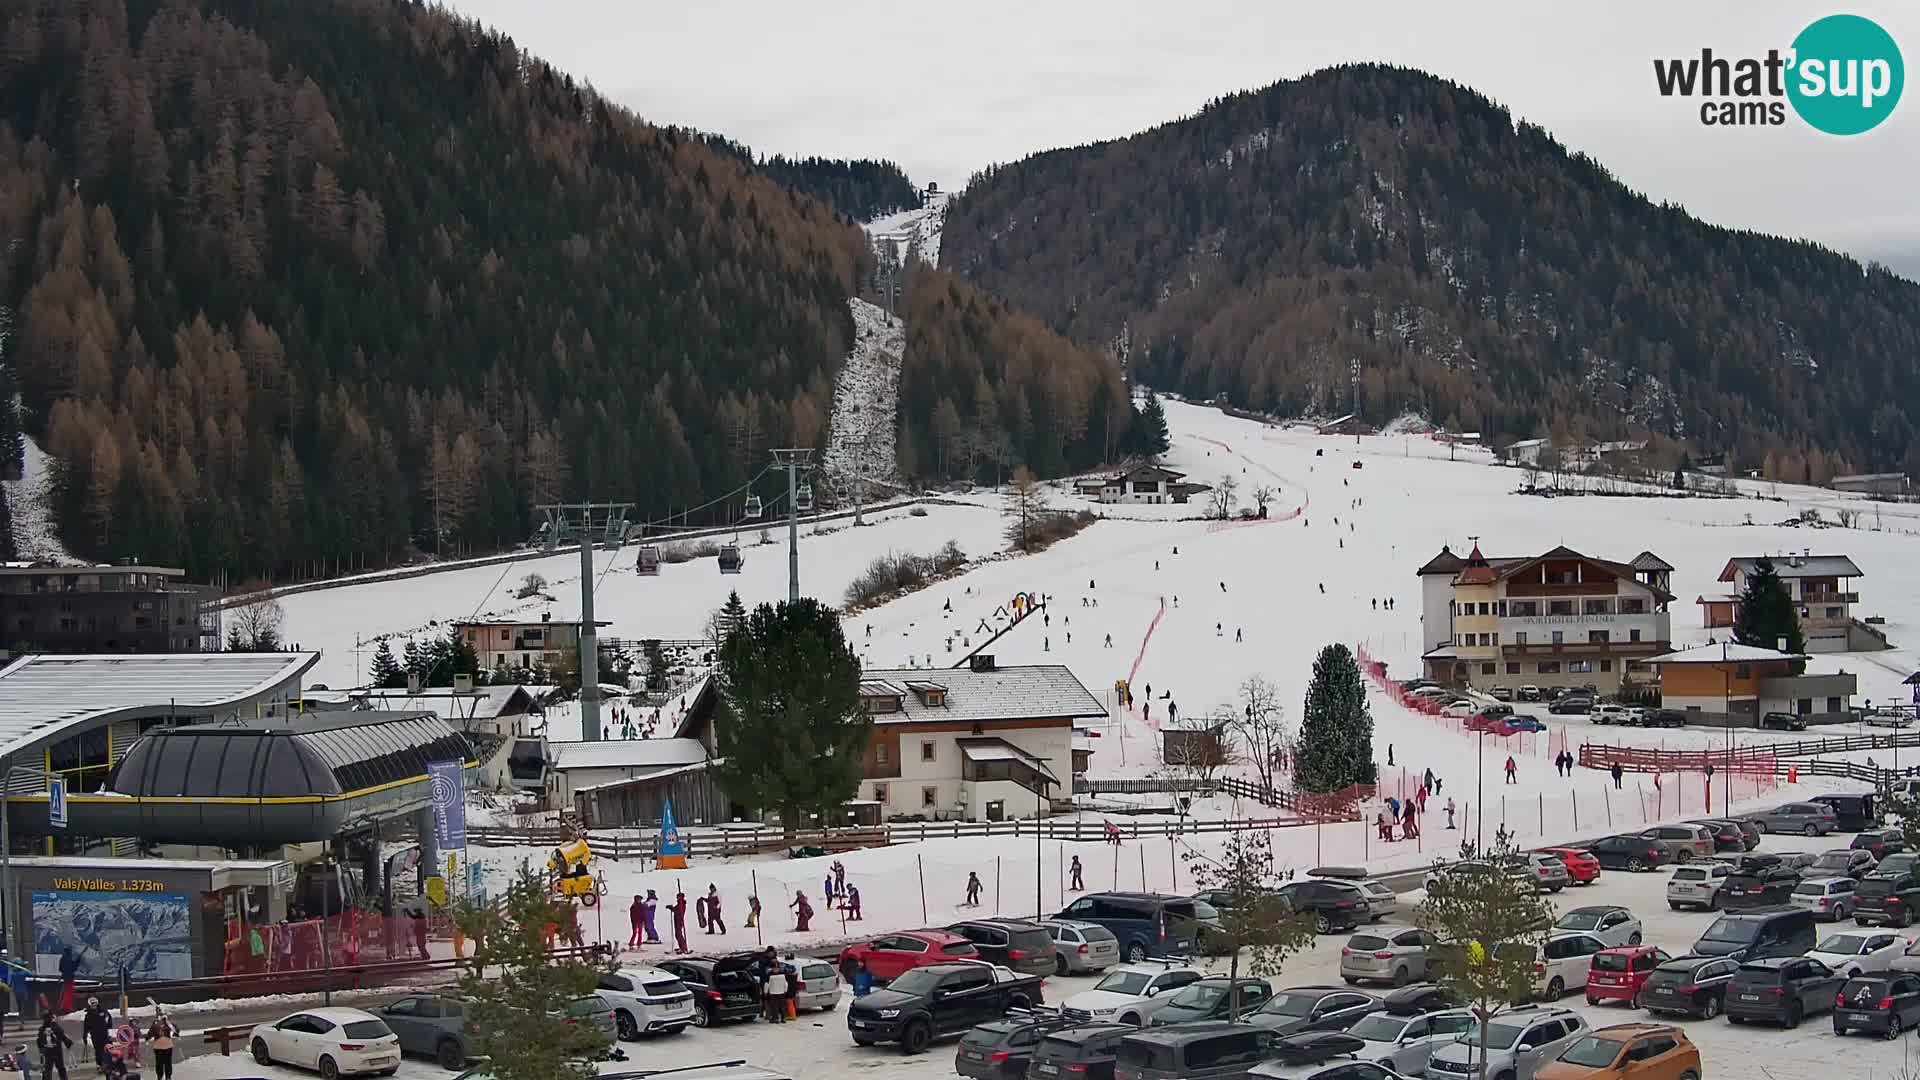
(939, 999)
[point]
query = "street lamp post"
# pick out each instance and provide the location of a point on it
(1480, 797)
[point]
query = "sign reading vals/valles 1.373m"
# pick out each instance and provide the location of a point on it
(93, 884)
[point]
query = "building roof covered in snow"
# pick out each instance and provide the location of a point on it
(1724, 653)
(481, 703)
(1029, 692)
(626, 754)
(1796, 566)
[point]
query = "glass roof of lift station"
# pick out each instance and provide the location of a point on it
(343, 754)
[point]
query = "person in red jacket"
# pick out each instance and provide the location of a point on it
(1512, 770)
(637, 912)
(678, 909)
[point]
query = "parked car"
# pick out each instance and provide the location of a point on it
(1805, 818)
(1619, 974)
(1335, 905)
(1416, 998)
(1404, 1042)
(1633, 853)
(939, 999)
(1900, 864)
(1842, 862)
(1392, 954)
(1756, 888)
(1002, 1049)
(1082, 1052)
(1783, 721)
(1519, 1041)
(1698, 886)
(890, 956)
(1727, 835)
(1130, 993)
(1689, 986)
(1783, 990)
(1886, 899)
(1611, 923)
(1212, 998)
(1546, 871)
(1608, 713)
(1752, 935)
(1025, 947)
(1667, 718)
(1570, 705)
(1382, 901)
(1211, 1051)
(1081, 946)
(333, 1042)
(646, 1001)
(1430, 691)
(723, 988)
(1501, 693)
(431, 1025)
(1859, 952)
(1582, 867)
(1879, 843)
(1529, 693)
(1561, 964)
(819, 986)
(1314, 1008)
(1438, 877)
(1829, 898)
(1643, 1051)
(596, 1012)
(1885, 1004)
(1852, 812)
(1687, 842)
(1146, 924)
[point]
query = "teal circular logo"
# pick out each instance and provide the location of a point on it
(1846, 75)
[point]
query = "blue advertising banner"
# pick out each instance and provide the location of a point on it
(449, 781)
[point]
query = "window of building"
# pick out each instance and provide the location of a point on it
(929, 796)
(1599, 637)
(1633, 635)
(505, 634)
(1513, 668)
(1549, 667)
(1606, 665)
(1486, 608)
(880, 793)
(1633, 605)
(1559, 637)
(1803, 706)
(926, 750)
(1496, 638)
(1743, 671)
(1833, 613)
(1580, 667)
(1519, 637)
(1500, 608)
(1525, 609)
(1598, 606)
(1833, 704)
(1486, 669)
(881, 754)
(1559, 607)
(1486, 639)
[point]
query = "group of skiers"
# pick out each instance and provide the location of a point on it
(115, 1048)
(1403, 815)
(709, 912)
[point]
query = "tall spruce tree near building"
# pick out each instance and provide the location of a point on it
(1766, 613)
(1336, 730)
(387, 673)
(516, 992)
(1149, 431)
(792, 736)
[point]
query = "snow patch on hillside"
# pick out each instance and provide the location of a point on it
(914, 233)
(30, 498)
(866, 402)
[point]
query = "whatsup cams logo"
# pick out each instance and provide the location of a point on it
(1842, 76)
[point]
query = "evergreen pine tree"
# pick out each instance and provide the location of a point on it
(235, 643)
(1766, 613)
(413, 661)
(792, 736)
(734, 613)
(386, 673)
(1152, 440)
(1336, 730)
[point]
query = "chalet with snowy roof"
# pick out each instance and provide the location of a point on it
(1560, 618)
(1350, 424)
(515, 643)
(980, 743)
(1886, 483)
(1729, 683)
(1822, 590)
(1146, 483)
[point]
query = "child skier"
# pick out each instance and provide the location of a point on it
(973, 890)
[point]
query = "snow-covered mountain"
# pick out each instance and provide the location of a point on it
(866, 403)
(914, 233)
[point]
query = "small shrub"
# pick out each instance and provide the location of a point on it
(918, 511)
(897, 573)
(689, 550)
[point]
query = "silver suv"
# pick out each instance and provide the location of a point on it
(1519, 1041)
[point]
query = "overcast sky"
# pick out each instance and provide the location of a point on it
(945, 89)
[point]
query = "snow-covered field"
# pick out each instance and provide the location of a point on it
(866, 404)
(29, 498)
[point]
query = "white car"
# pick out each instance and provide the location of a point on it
(646, 1001)
(334, 1042)
(1610, 923)
(1460, 709)
(1608, 714)
(1561, 964)
(1697, 885)
(1852, 952)
(1130, 993)
(1404, 1043)
(1427, 692)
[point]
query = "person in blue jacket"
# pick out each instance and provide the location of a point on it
(862, 979)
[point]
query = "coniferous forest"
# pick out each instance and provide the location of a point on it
(862, 190)
(1382, 222)
(300, 284)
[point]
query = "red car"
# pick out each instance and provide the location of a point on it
(1618, 974)
(890, 955)
(1582, 867)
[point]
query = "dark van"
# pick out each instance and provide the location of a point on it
(1147, 924)
(1852, 813)
(1085, 1052)
(1757, 935)
(1214, 1050)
